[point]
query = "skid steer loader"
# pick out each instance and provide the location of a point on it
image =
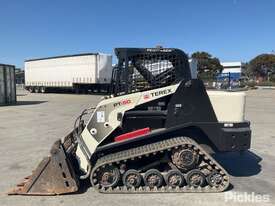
(155, 133)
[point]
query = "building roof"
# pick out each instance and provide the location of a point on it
(9, 65)
(231, 64)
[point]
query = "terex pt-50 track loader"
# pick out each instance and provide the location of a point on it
(155, 133)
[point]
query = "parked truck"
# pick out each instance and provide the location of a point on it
(81, 73)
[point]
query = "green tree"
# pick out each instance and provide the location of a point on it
(208, 66)
(263, 65)
(246, 71)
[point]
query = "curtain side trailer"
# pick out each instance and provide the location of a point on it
(81, 73)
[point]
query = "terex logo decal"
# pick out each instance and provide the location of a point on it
(155, 94)
(161, 92)
(123, 102)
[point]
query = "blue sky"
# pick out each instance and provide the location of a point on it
(229, 29)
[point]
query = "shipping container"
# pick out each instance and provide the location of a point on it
(7, 84)
(81, 72)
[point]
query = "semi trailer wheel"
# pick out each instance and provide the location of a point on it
(36, 89)
(30, 89)
(43, 89)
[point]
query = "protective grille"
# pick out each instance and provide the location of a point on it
(148, 70)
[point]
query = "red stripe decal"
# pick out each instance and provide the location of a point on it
(133, 134)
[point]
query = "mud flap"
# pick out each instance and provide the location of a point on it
(53, 176)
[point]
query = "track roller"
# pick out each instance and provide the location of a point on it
(214, 179)
(153, 178)
(195, 178)
(108, 176)
(132, 178)
(174, 178)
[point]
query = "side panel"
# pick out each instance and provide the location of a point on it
(190, 103)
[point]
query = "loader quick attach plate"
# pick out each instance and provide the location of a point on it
(53, 176)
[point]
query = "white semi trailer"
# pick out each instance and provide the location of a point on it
(79, 73)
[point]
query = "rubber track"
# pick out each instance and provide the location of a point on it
(152, 149)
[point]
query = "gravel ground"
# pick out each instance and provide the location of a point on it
(28, 129)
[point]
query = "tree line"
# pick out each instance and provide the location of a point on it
(261, 67)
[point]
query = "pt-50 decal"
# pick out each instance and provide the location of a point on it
(123, 102)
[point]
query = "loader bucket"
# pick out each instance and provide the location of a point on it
(53, 176)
